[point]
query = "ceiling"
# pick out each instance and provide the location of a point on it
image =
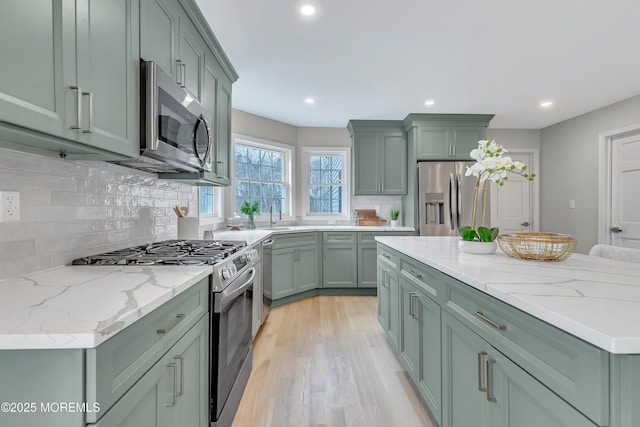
(381, 59)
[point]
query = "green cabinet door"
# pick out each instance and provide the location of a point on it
(71, 71)
(37, 40)
(382, 273)
(465, 139)
(173, 392)
(393, 161)
(432, 143)
(191, 50)
(109, 76)
(223, 132)
(340, 266)
(429, 371)
(306, 269)
(159, 25)
(464, 355)
(366, 164)
(409, 328)
(519, 400)
(282, 277)
(367, 259)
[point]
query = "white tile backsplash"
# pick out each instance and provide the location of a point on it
(75, 208)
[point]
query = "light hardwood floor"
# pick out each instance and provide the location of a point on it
(324, 361)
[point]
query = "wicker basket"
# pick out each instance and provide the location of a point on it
(537, 246)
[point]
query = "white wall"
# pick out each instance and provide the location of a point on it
(569, 170)
(515, 138)
(73, 208)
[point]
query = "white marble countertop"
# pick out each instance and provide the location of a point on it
(259, 234)
(595, 299)
(83, 306)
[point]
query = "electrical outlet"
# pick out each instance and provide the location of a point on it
(9, 206)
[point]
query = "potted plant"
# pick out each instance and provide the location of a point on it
(394, 217)
(490, 165)
(250, 210)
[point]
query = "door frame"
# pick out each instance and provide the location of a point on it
(605, 167)
(534, 198)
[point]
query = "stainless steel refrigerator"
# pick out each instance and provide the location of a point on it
(445, 198)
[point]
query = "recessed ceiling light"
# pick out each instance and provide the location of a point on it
(546, 104)
(310, 101)
(429, 102)
(307, 10)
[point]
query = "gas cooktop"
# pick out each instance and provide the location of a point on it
(169, 252)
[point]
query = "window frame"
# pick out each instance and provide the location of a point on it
(288, 172)
(345, 153)
(217, 217)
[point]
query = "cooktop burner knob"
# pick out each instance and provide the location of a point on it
(225, 273)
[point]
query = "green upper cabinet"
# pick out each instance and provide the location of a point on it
(65, 89)
(169, 38)
(176, 36)
(379, 157)
(445, 136)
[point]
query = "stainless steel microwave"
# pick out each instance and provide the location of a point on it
(176, 132)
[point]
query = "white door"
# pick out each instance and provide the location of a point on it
(511, 204)
(625, 203)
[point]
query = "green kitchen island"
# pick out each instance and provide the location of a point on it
(494, 341)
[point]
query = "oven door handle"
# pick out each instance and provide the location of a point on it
(233, 290)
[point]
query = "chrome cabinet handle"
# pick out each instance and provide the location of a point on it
(481, 355)
(615, 230)
(490, 322)
(179, 316)
(412, 308)
(417, 275)
(184, 74)
(382, 186)
(78, 124)
(525, 224)
(175, 384)
(386, 256)
(454, 150)
(90, 95)
(489, 363)
(181, 359)
(179, 73)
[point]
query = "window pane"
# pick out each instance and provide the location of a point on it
(206, 201)
(259, 174)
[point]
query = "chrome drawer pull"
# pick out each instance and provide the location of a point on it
(481, 355)
(179, 316)
(386, 256)
(90, 95)
(175, 382)
(490, 398)
(490, 322)
(418, 275)
(78, 124)
(181, 359)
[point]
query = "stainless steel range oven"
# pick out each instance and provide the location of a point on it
(230, 308)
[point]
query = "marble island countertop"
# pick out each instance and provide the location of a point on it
(83, 306)
(595, 299)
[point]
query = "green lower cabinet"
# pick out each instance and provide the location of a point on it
(173, 392)
(419, 348)
(340, 266)
(482, 387)
(367, 259)
(294, 270)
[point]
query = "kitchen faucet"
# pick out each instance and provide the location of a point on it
(271, 221)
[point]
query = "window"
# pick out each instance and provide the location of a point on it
(210, 205)
(262, 172)
(326, 183)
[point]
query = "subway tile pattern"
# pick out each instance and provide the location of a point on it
(75, 208)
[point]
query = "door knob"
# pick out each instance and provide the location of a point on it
(525, 224)
(615, 230)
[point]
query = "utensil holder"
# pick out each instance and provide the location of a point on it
(188, 228)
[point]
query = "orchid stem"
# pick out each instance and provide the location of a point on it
(475, 205)
(484, 199)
